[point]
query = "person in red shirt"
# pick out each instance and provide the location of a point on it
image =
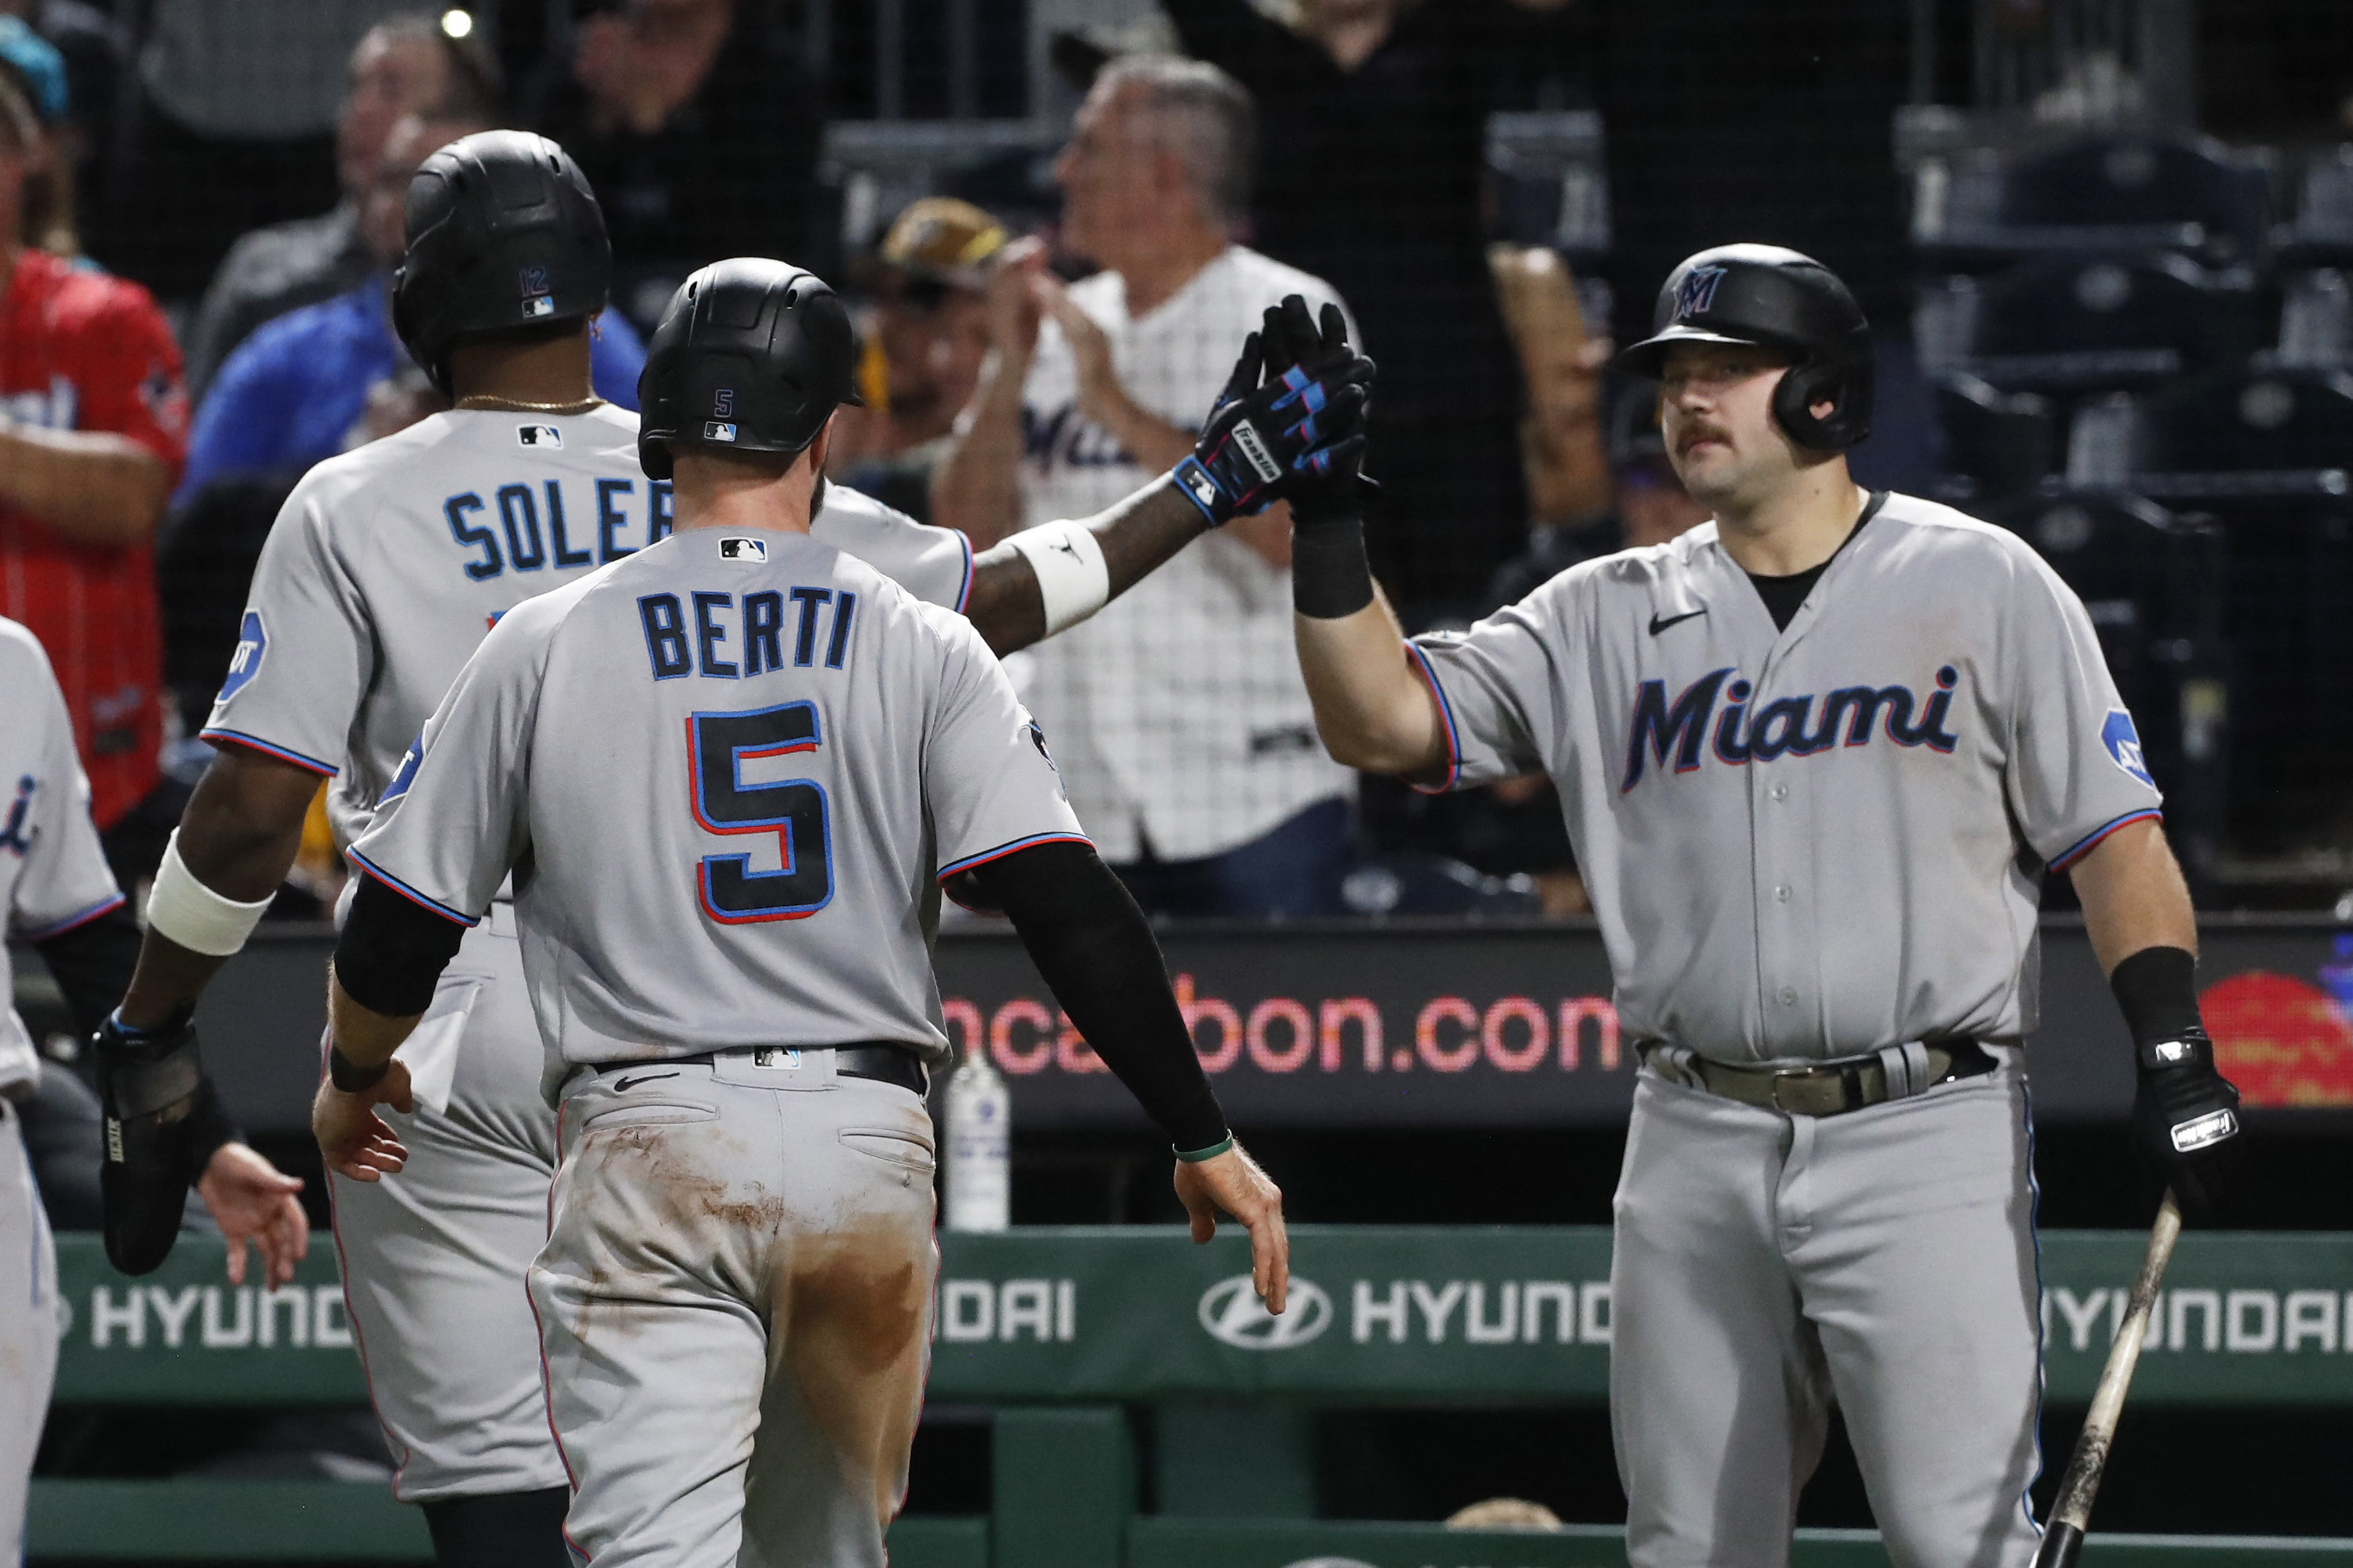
(93, 428)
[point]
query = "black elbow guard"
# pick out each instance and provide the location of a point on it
(393, 951)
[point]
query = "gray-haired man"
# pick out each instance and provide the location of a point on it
(1178, 715)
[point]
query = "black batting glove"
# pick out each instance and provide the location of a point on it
(2185, 1112)
(164, 1123)
(1277, 427)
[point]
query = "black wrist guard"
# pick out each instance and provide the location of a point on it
(2156, 991)
(351, 1078)
(1330, 574)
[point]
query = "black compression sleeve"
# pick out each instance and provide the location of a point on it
(92, 963)
(393, 951)
(1098, 956)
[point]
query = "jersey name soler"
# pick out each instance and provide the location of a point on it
(533, 530)
(1799, 726)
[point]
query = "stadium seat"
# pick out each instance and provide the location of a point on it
(1996, 444)
(2247, 433)
(2103, 195)
(2322, 230)
(2080, 324)
(2148, 577)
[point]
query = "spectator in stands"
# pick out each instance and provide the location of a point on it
(405, 65)
(1515, 826)
(45, 217)
(1651, 506)
(298, 389)
(926, 334)
(1375, 124)
(92, 50)
(696, 124)
(92, 422)
(1178, 714)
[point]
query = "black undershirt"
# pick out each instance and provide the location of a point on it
(1784, 595)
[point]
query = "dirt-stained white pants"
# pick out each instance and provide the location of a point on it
(1768, 1265)
(735, 1304)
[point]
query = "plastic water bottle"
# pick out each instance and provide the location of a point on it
(980, 1146)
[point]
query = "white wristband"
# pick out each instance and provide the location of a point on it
(194, 915)
(1074, 579)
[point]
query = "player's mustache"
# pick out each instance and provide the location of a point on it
(1694, 434)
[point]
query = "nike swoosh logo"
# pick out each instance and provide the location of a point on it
(623, 1085)
(1660, 623)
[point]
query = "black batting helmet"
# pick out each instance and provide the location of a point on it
(1766, 295)
(751, 356)
(504, 232)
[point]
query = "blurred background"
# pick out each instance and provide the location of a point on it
(2106, 247)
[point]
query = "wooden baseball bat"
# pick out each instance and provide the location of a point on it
(2071, 1512)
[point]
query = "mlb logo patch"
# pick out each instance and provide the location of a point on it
(2123, 742)
(1696, 293)
(540, 436)
(713, 430)
(743, 550)
(542, 306)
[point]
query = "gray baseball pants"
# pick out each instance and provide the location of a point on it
(433, 1259)
(28, 1329)
(735, 1303)
(1767, 1266)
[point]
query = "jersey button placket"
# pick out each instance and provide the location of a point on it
(1780, 843)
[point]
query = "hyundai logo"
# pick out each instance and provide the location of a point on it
(1234, 1315)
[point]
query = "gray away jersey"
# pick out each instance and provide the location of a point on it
(1821, 840)
(53, 875)
(388, 565)
(723, 771)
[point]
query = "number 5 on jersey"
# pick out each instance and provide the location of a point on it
(718, 745)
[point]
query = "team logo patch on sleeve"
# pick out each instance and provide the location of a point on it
(252, 645)
(407, 772)
(2123, 742)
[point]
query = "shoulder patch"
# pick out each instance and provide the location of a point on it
(2123, 742)
(252, 647)
(406, 774)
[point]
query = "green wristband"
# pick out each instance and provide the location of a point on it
(1195, 1156)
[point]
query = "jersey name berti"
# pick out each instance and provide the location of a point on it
(1799, 726)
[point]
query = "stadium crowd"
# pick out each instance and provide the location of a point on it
(207, 210)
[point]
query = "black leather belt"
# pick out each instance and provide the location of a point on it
(1830, 1087)
(882, 1061)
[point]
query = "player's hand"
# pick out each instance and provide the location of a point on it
(1277, 430)
(252, 1200)
(1013, 306)
(355, 1141)
(1101, 397)
(2186, 1118)
(1334, 485)
(1234, 1183)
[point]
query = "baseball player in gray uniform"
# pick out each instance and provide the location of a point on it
(386, 568)
(722, 774)
(59, 898)
(1816, 758)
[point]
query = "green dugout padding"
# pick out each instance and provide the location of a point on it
(1064, 1329)
(1187, 1543)
(315, 1522)
(1379, 1314)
